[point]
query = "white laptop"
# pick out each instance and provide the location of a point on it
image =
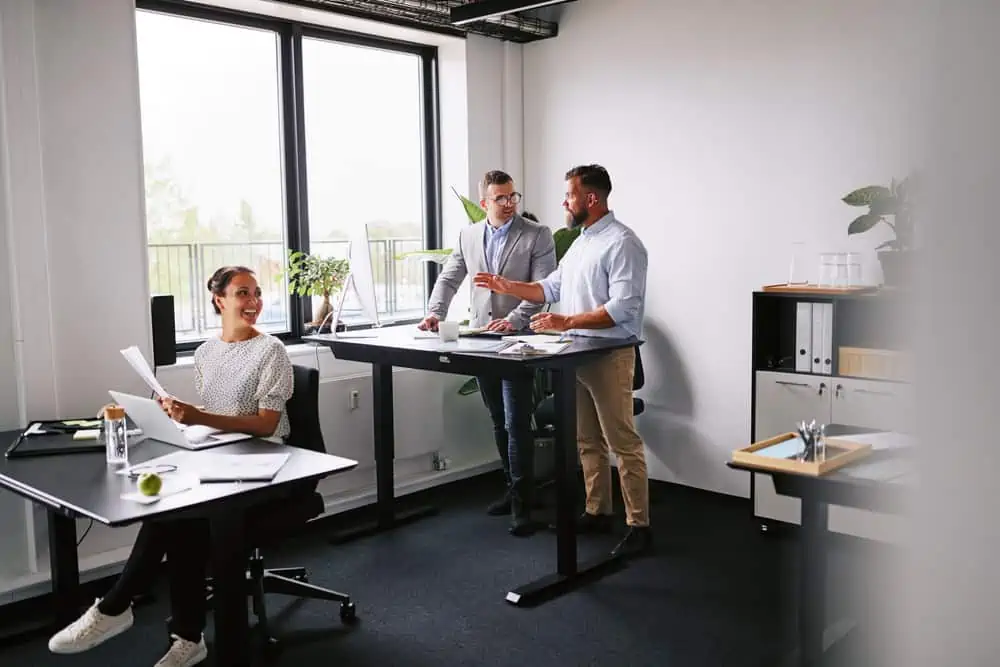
(156, 425)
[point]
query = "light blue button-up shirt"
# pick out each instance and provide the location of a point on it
(605, 266)
(494, 241)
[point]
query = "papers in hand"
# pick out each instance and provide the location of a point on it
(138, 362)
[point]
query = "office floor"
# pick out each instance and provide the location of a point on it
(431, 594)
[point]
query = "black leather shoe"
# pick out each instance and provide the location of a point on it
(522, 526)
(500, 507)
(593, 523)
(637, 542)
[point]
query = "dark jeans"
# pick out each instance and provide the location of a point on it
(510, 403)
(185, 543)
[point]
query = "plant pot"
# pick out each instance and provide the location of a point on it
(896, 267)
(323, 311)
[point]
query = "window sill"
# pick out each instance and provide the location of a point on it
(294, 346)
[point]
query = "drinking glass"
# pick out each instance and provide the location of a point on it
(797, 264)
(827, 269)
(840, 272)
(854, 274)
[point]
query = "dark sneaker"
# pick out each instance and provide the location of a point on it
(637, 542)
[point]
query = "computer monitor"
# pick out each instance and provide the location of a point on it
(360, 280)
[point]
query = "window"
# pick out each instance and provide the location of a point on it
(364, 162)
(263, 135)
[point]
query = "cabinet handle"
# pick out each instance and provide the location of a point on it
(822, 386)
(792, 384)
(836, 392)
(874, 392)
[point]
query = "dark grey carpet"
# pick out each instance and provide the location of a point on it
(431, 594)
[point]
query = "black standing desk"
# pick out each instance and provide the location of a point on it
(75, 486)
(398, 346)
(880, 482)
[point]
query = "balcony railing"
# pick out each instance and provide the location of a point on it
(183, 269)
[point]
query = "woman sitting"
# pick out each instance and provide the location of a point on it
(244, 378)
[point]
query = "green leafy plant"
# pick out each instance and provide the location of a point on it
(312, 275)
(883, 203)
(564, 239)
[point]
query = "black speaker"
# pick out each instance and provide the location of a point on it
(161, 307)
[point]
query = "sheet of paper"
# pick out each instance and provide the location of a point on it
(171, 485)
(138, 362)
(534, 349)
(425, 334)
(785, 449)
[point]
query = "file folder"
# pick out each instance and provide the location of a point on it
(827, 350)
(803, 336)
(817, 338)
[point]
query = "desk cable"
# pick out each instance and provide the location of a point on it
(85, 533)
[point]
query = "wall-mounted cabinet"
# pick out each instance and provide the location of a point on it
(784, 396)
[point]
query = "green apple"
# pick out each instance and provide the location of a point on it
(150, 483)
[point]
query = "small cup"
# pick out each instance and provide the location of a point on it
(448, 331)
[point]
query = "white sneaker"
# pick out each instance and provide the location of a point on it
(183, 653)
(90, 630)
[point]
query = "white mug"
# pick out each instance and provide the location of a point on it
(448, 331)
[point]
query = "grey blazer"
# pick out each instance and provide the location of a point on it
(529, 254)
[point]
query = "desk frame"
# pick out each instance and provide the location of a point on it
(383, 357)
(816, 495)
(227, 525)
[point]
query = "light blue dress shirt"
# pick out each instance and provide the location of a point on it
(494, 241)
(605, 266)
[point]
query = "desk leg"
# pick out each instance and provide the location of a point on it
(229, 592)
(387, 516)
(569, 573)
(812, 580)
(65, 565)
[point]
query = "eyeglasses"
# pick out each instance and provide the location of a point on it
(503, 200)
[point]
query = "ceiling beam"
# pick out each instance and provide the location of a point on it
(492, 9)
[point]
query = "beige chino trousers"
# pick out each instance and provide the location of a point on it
(604, 422)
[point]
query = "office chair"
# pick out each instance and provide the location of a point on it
(271, 524)
(545, 414)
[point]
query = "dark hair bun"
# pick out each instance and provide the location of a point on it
(220, 280)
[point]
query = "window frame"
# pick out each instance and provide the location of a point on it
(295, 183)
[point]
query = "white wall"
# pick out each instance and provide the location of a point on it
(73, 152)
(730, 129)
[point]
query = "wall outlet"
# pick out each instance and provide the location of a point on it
(439, 462)
(354, 399)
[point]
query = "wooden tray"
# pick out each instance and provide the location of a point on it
(818, 289)
(839, 452)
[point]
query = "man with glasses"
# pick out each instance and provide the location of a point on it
(508, 245)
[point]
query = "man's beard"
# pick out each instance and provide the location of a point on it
(575, 218)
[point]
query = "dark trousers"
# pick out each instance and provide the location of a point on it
(510, 404)
(186, 544)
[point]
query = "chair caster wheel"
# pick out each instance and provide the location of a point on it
(348, 614)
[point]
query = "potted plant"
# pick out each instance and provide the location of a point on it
(895, 201)
(312, 275)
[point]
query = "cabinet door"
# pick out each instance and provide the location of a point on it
(783, 400)
(871, 403)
